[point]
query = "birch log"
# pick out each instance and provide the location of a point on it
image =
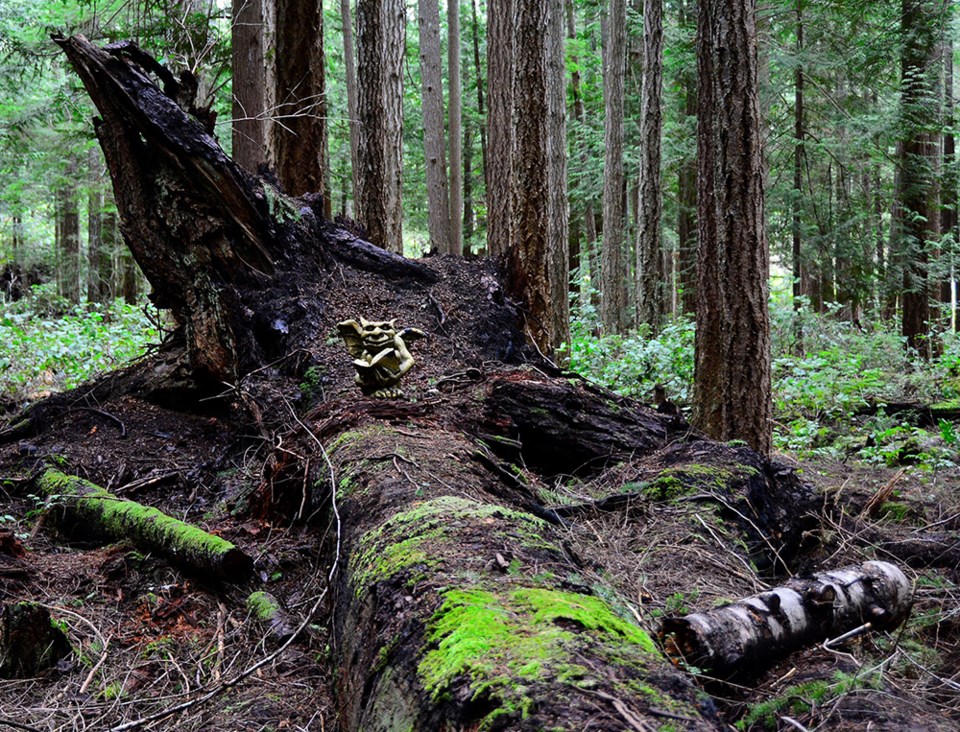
(750, 632)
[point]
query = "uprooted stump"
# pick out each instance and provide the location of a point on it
(86, 510)
(751, 633)
(29, 640)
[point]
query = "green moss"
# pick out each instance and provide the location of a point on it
(262, 605)
(673, 483)
(895, 511)
(505, 642)
(414, 538)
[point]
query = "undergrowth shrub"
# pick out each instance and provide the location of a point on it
(48, 345)
(828, 400)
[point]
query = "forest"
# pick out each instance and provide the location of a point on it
(495, 365)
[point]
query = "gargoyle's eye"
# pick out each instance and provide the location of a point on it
(369, 328)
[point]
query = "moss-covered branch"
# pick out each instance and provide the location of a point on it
(87, 510)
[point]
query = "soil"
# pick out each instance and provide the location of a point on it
(146, 635)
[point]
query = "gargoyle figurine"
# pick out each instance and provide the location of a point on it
(380, 354)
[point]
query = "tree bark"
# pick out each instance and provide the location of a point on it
(455, 116)
(536, 259)
(438, 200)
(500, 130)
(558, 216)
(380, 39)
(919, 223)
(300, 136)
(481, 108)
(650, 279)
(613, 265)
(350, 73)
(97, 287)
(797, 205)
(732, 372)
(249, 78)
(68, 235)
(752, 631)
(687, 184)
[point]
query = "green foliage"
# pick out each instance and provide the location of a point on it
(800, 698)
(828, 401)
(633, 365)
(46, 345)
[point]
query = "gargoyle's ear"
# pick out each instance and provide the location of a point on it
(393, 324)
(349, 327)
(364, 322)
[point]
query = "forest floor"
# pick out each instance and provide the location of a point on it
(147, 636)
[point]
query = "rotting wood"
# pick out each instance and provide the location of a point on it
(84, 509)
(29, 641)
(750, 633)
(455, 610)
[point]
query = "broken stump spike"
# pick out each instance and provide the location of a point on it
(746, 634)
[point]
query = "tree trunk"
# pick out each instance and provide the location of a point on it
(732, 372)
(919, 224)
(744, 634)
(613, 265)
(68, 239)
(457, 602)
(481, 109)
(577, 260)
(350, 73)
(650, 279)
(500, 129)
(468, 220)
(300, 136)
(249, 78)
(797, 206)
(438, 200)
(455, 115)
(558, 216)
(949, 220)
(380, 38)
(687, 184)
(537, 258)
(97, 288)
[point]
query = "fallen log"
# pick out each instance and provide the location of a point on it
(87, 510)
(746, 635)
(457, 612)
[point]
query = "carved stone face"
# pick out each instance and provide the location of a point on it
(377, 335)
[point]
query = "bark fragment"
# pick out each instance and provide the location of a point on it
(29, 641)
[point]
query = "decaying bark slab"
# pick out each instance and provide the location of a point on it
(84, 509)
(29, 641)
(748, 634)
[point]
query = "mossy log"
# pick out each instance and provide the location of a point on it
(458, 611)
(29, 640)
(749, 634)
(87, 510)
